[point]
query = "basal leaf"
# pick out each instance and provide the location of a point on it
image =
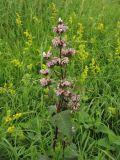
(63, 121)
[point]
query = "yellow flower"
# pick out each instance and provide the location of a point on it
(100, 27)
(2, 90)
(46, 90)
(12, 92)
(26, 33)
(18, 19)
(83, 54)
(118, 24)
(80, 32)
(54, 11)
(70, 20)
(94, 67)
(17, 115)
(38, 51)
(8, 119)
(93, 40)
(11, 129)
(84, 75)
(17, 63)
(44, 66)
(117, 50)
(112, 110)
(7, 88)
(30, 66)
(29, 37)
(35, 19)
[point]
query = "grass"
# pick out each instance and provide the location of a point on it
(25, 31)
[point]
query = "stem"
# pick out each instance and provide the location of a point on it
(62, 75)
(55, 138)
(60, 103)
(63, 145)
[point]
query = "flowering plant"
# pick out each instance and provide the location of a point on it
(67, 100)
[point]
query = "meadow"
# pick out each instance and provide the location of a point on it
(26, 130)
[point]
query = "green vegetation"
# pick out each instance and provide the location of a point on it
(26, 131)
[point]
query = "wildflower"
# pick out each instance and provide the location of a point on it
(28, 43)
(118, 24)
(100, 27)
(12, 92)
(7, 88)
(53, 62)
(75, 98)
(57, 42)
(62, 91)
(47, 55)
(18, 19)
(46, 90)
(74, 103)
(2, 90)
(8, 119)
(45, 82)
(64, 61)
(94, 67)
(17, 115)
(35, 19)
(83, 53)
(60, 28)
(44, 72)
(117, 49)
(17, 63)
(65, 84)
(30, 66)
(84, 74)
(68, 52)
(75, 106)
(59, 92)
(54, 11)
(67, 93)
(11, 129)
(112, 110)
(44, 66)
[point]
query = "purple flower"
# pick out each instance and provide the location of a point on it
(75, 98)
(45, 82)
(65, 84)
(57, 42)
(64, 61)
(68, 52)
(59, 92)
(47, 55)
(74, 103)
(75, 107)
(44, 71)
(60, 28)
(67, 93)
(53, 62)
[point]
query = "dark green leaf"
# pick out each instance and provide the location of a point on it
(63, 121)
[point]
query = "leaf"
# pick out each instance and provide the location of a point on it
(44, 157)
(52, 109)
(84, 117)
(104, 142)
(104, 129)
(71, 152)
(63, 121)
(114, 139)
